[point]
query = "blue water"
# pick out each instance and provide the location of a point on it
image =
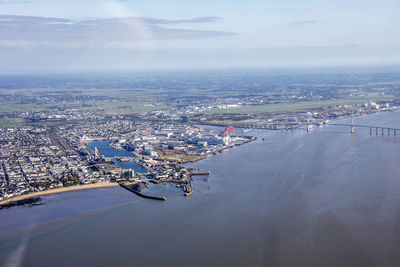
(106, 150)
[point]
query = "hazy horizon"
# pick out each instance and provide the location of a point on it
(43, 36)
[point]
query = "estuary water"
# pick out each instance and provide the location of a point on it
(325, 198)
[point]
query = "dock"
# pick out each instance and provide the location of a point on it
(200, 173)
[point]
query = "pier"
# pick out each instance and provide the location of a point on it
(140, 194)
(200, 173)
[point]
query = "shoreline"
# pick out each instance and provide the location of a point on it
(91, 186)
(113, 184)
(58, 191)
(218, 151)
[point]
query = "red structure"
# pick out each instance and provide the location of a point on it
(230, 131)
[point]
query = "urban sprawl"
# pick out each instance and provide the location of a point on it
(48, 137)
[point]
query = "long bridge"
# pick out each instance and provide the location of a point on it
(372, 129)
(377, 130)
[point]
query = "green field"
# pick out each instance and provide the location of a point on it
(10, 122)
(131, 101)
(125, 107)
(122, 101)
(291, 107)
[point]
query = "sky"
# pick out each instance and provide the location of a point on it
(131, 35)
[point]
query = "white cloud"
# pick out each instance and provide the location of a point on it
(21, 31)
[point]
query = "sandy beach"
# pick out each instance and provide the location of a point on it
(59, 190)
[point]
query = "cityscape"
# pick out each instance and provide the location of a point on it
(36, 159)
(206, 133)
(51, 148)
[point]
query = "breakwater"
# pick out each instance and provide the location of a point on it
(140, 194)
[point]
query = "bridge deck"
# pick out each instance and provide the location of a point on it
(365, 126)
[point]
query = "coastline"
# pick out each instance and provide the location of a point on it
(92, 186)
(218, 150)
(58, 191)
(111, 184)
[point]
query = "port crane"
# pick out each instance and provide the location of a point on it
(230, 131)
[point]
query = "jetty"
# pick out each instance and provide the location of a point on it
(188, 189)
(200, 173)
(140, 194)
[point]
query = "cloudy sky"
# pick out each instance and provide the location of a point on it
(113, 35)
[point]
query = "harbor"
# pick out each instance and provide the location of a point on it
(157, 169)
